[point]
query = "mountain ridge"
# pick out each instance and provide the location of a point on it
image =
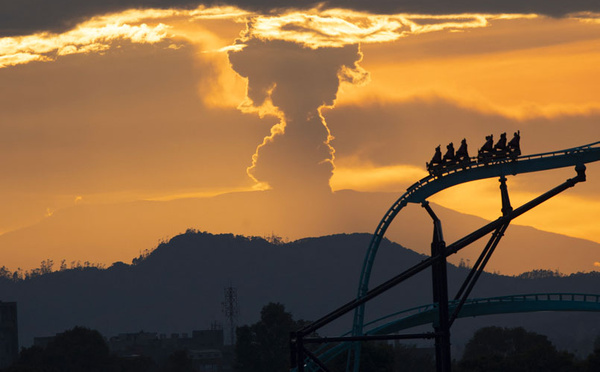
(119, 232)
(179, 287)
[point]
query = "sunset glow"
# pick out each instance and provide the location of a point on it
(572, 220)
(163, 105)
(314, 29)
(369, 178)
(338, 27)
(88, 38)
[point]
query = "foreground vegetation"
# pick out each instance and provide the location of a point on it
(264, 347)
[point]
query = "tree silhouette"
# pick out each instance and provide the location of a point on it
(76, 350)
(499, 349)
(592, 362)
(179, 361)
(264, 346)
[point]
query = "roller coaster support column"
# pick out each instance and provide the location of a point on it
(302, 336)
(506, 207)
(297, 351)
(440, 294)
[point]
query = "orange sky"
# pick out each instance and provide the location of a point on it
(152, 105)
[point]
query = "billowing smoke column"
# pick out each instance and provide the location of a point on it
(294, 83)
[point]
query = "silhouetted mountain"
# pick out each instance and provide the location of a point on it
(179, 287)
(118, 232)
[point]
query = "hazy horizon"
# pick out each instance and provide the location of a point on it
(107, 107)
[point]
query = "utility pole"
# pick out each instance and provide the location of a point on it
(231, 310)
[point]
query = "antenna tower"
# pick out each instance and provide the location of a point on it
(231, 310)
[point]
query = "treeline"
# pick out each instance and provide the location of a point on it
(497, 349)
(85, 350)
(264, 346)
(48, 266)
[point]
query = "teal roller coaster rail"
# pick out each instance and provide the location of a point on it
(427, 314)
(490, 306)
(430, 185)
(444, 312)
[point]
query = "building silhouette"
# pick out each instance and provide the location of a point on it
(205, 348)
(9, 339)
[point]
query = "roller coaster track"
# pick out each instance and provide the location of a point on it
(474, 307)
(490, 306)
(447, 311)
(452, 176)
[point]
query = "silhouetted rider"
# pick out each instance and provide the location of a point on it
(515, 143)
(501, 145)
(462, 152)
(489, 143)
(449, 156)
(437, 157)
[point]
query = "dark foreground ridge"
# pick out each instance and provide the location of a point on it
(179, 286)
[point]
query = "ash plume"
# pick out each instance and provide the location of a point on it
(294, 82)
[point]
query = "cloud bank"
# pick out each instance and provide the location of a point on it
(315, 28)
(29, 16)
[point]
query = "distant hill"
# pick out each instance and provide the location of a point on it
(119, 232)
(179, 287)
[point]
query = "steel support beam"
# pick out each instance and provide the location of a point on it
(296, 341)
(439, 278)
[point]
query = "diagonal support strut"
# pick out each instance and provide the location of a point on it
(497, 225)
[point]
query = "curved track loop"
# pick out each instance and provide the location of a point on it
(475, 307)
(452, 176)
(490, 306)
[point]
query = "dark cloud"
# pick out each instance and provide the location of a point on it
(547, 7)
(27, 16)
